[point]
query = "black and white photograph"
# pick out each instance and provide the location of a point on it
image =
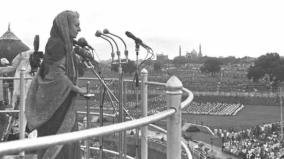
(141, 79)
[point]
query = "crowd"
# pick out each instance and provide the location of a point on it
(157, 103)
(225, 81)
(249, 100)
(215, 108)
(259, 142)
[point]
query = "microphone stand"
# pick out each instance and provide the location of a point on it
(112, 52)
(122, 117)
(102, 102)
(137, 96)
(101, 121)
(101, 117)
(120, 102)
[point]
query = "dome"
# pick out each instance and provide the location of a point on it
(194, 52)
(11, 45)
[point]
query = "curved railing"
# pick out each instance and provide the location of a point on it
(174, 92)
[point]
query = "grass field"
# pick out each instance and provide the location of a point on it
(248, 117)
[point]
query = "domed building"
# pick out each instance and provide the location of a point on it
(11, 45)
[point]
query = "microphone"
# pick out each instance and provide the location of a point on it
(130, 35)
(83, 53)
(106, 31)
(137, 40)
(99, 34)
(83, 43)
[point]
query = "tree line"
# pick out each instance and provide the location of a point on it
(269, 67)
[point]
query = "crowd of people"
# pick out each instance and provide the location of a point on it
(259, 142)
(215, 108)
(228, 81)
(248, 100)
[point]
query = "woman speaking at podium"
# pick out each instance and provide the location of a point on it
(50, 101)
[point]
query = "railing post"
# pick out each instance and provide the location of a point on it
(174, 93)
(22, 118)
(87, 153)
(144, 129)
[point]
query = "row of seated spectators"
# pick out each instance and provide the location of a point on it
(269, 101)
(260, 142)
(225, 86)
(158, 103)
(217, 108)
(203, 82)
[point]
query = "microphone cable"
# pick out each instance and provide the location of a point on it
(140, 66)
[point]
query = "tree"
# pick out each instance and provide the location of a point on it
(270, 65)
(128, 67)
(255, 73)
(228, 60)
(157, 66)
(180, 60)
(211, 65)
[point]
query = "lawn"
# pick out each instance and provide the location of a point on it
(248, 117)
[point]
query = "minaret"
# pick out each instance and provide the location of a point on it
(200, 53)
(179, 50)
(9, 30)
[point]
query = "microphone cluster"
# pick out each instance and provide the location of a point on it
(84, 53)
(105, 35)
(82, 42)
(82, 48)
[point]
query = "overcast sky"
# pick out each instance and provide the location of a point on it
(222, 27)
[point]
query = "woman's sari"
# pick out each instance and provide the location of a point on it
(50, 101)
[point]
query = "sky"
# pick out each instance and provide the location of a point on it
(222, 27)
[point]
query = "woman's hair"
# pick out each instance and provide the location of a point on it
(63, 19)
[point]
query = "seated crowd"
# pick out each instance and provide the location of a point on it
(214, 108)
(262, 141)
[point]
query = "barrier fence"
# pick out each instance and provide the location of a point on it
(174, 91)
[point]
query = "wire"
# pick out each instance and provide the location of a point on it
(140, 66)
(149, 51)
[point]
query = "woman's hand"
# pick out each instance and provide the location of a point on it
(79, 90)
(82, 90)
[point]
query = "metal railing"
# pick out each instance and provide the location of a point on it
(174, 91)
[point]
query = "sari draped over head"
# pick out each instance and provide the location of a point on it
(60, 30)
(50, 100)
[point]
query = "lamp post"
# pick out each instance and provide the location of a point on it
(211, 143)
(218, 86)
(281, 113)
